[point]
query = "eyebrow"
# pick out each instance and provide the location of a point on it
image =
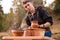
(26, 5)
(25, 2)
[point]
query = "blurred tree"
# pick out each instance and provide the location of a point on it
(1, 18)
(57, 6)
(19, 13)
(38, 2)
(7, 20)
(1, 11)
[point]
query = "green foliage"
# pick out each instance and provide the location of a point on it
(7, 21)
(1, 18)
(38, 3)
(20, 15)
(1, 22)
(57, 6)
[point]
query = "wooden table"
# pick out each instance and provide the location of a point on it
(25, 38)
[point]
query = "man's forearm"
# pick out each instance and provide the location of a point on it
(47, 24)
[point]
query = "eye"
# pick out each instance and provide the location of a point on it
(26, 5)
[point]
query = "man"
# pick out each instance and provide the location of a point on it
(39, 15)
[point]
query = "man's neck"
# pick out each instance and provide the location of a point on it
(32, 12)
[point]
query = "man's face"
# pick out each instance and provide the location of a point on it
(28, 7)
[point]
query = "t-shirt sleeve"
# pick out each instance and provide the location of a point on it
(46, 16)
(28, 21)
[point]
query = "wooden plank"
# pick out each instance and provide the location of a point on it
(26, 37)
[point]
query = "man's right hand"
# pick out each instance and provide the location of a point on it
(33, 26)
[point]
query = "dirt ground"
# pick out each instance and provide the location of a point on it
(56, 30)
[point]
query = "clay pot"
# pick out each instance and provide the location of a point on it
(34, 24)
(34, 32)
(17, 32)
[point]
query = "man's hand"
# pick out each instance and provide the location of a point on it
(42, 25)
(47, 24)
(36, 26)
(33, 26)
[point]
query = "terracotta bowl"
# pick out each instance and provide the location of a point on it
(34, 32)
(17, 32)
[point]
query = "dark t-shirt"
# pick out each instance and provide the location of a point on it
(40, 15)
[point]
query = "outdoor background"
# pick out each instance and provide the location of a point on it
(12, 15)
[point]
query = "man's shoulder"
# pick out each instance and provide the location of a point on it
(39, 8)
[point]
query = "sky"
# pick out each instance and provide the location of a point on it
(48, 2)
(6, 4)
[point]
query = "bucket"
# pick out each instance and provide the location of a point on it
(17, 32)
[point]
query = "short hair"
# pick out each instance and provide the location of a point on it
(24, 2)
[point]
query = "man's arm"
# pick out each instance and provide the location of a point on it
(48, 21)
(47, 18)
(47, 24)
(28, 21)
